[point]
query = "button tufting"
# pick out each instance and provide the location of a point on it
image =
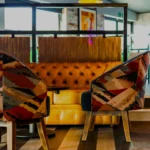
(54, 82)
(37, 73)
(64, 82)
(87, 82)
(76, 81)
(59, 73)
(70, 73)
(81, 73)
(48, 74)
(43, 67)
(76, 67)
(93, 74)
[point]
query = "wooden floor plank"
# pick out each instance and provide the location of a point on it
(90, 143)
(60, 134)
(140, 135)
(72, 139)
(32, 144)
(69, 138)
(119, 137)
(105, 140)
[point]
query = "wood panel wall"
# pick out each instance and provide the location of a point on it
(18, 47)
(77, 49)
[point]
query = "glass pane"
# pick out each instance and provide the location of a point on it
(18, 18)
(129, 28)
(120, 27)
(47, 20)
(109, 25)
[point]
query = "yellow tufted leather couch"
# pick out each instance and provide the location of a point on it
(65, 107)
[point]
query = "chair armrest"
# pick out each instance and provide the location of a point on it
(86, 101)
(48, 105)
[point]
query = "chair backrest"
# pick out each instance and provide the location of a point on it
(123, 87)
(23, 92)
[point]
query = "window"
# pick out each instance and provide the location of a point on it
(110, 24)
(21, 19)
(47, 20)
(120, 27)
(18, 19)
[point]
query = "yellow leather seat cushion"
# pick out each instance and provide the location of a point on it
(67, 97)
(73, 115)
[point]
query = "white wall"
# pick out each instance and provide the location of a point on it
(2, 22)
(142, 25)
(141, 31)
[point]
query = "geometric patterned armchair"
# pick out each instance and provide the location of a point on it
(116, 92)
(23, 99)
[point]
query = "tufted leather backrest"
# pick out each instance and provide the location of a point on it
(74, 75)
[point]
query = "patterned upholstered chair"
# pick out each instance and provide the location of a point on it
(115, 92)
(23, 99)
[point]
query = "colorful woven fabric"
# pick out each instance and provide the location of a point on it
(123, 87)
(23, 94)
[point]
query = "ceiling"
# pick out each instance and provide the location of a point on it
(139, 6)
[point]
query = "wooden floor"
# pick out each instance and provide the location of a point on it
(102, 138)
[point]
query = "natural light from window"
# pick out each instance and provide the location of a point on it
(18, 18)
(21, 19)
(47, 20)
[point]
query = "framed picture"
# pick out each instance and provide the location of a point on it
(87, 19)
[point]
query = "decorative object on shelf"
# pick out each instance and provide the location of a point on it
(69, 19)
(90, 1)
(88, 21)
(100, 22)
(72, 19)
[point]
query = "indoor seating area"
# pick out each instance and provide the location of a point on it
(74, 75)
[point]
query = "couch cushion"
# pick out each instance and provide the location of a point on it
(73, 114)
(67, 97)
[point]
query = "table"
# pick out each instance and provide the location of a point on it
(32, 133)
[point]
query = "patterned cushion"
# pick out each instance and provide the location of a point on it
(23, 93)
(123, 87)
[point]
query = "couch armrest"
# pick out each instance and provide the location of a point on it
(86, 101)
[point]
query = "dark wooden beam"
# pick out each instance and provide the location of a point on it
(61, 32)
(62, 5)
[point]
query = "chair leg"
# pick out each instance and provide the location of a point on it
(125, 122)
(42, 133)
(130, 125)
(11, 135)
(0, 134)
(92, 123)
(87, 125)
